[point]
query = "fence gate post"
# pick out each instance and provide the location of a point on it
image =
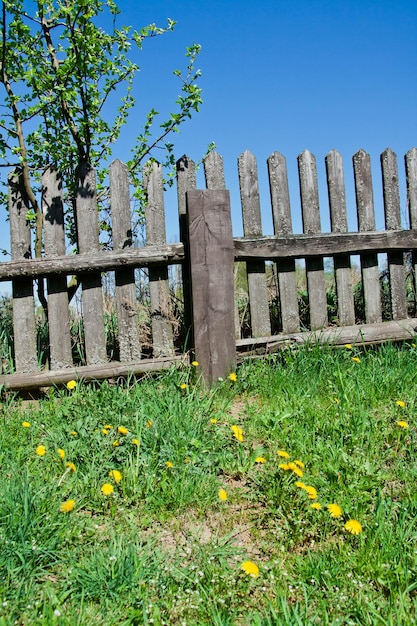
(212, 285)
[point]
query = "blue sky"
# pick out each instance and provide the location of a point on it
(286, 76)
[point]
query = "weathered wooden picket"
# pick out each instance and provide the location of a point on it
(207, 252)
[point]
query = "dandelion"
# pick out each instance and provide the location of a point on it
(61, 453)
(356, 359)
(311, 492)
(237, 432)
(316, 506)
(222, 495)
(299, 463)
(292, 466)
(108, 426)
(26, 424)
(105, 431)
(233, 377)
(284, 454)
(334, 510)
(40, 450)
(348, 346)
(116, 443)
(74, 432)
(169, 464)
(149, 423)
(71, 384)
(402, 424)
(300, 485)
(116, 475)
(250, 568)
(336, 400)
(183, 386)
(284, 466)
(107, 489)
(194, 363)
(135, 442)
(213, 420)
(260, 459)
(67, 506)
(400, 403)
(122, 430)
(71, 466)
(353, 527)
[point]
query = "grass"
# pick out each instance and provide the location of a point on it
(165, 548)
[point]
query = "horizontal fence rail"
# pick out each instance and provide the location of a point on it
(228, 313)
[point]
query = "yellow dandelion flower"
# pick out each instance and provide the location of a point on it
(194, 363)
(108, 426)
(299, 463)
(348, 346)
(71, 384)
(40, 450)
(183, 386)
(61, 453)
(400, 403)
(353, 527)
(336, 400)
(284, 454)
(334, 510)
(116, 475)
(222, 495)
(292, 466)
(356, 359)
(237, 432)
(122, 430)
(135, 442)
(169, 464)
(67, 506)
(402, 424)
(105, 431)
(300, 485)
(250, 568)
(213, 420)
(260, 459)
(26, 424)
(116, 443)
(107, 489)
(149, 423)
(311, 492)
(316, 506)
(74, 432)
(284, 466)
(71, 466)
(233, 377)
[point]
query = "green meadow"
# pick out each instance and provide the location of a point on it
(285, 495)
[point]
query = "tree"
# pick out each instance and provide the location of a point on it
(59, 69)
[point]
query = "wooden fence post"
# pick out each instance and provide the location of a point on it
(88, 241)
(126, 305)
(211, 258)
(24, 323)
(54, 244)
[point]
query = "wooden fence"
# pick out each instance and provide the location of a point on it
(207, 253)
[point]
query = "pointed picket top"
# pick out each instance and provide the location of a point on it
(391, 190)
(411, 173)
(364, 191)
(307, 172)
(214, 171)
(336, 191)
(280, 194)
(249, 194)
